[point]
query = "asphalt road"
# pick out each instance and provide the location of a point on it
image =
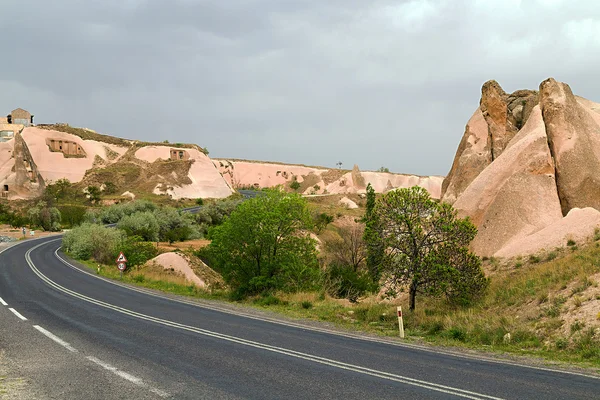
(74, 335)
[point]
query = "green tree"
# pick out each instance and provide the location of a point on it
(374, 244)
(264, 245)
(427, 247)
(383, 169)
(46, 217)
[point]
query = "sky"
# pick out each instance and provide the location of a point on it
(376, 83)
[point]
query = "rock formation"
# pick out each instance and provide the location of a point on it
(242, 174)
(524, 162)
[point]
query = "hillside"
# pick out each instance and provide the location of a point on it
(38, 156)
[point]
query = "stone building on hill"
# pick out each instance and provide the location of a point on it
(21, 117)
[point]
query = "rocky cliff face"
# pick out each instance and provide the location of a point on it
(539, 160)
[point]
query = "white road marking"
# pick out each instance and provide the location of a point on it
(133, 379)
(3, 302)
(291, 353)
(18, 314)
(56, 338)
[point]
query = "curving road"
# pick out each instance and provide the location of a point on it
(78, 336)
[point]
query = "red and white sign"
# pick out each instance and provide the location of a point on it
(121, 258)
(121, 266)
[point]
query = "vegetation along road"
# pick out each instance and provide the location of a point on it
(82, 336)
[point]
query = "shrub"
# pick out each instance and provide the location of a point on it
(144, 224)
(306, 304)
(137, 251)
(90, 241)
(344, 282)
(295, 185)
(113, 214)
(174, 226)
(199, 201)
(571, 242)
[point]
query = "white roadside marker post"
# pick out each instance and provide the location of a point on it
(400, 322)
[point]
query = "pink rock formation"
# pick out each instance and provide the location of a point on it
(516, 194)
(206, 181)
(574, 135)
(537, 163)
(36, 157)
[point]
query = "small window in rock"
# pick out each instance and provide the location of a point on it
(6, 188)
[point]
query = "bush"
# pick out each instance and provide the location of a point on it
(137, 251)
(113, 214)
(306, 304)
(144, 224)
(199, 201)
(90, 241)
(175, 227)
(344, 282)
(295, 185)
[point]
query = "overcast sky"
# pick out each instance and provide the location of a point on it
(368, 82)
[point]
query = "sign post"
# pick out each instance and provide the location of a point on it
(121, 263)
(400, 322)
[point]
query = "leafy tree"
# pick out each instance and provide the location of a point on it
(374, 244)
(263, 245)
(47, 218)
(427, 247)
(383, 169)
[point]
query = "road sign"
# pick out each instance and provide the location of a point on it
(121, 258)
(121, 266)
